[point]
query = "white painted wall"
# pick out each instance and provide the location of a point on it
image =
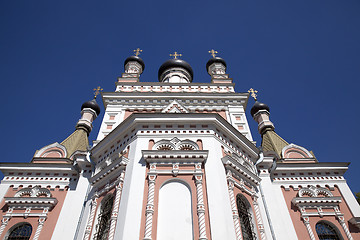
(175, 220)
(3, 189)
(349, 198)
(130, 210)
(278, 211)
(70, 212)
(220, 214)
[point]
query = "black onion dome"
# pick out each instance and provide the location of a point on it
(215, 60)
(173, 63)
(135, 59)
(91, 104)
(257, 107)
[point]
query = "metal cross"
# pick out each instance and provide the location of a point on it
(253, 93)
(97, 91)
(213, 53)
(175, 55)
(137, 51)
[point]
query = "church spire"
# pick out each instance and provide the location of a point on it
(271, 142)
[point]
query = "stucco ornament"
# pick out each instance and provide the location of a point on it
(313, 191)
(175, 144)
(33, 192)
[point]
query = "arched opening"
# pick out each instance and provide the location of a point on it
(245, 218)
(104, 218)
(327, 231)
(21, 231)
(175, 219)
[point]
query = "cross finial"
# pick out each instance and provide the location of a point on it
(175, 55)
(97, 91)
(213, 53)
(253, 93)
(137, 51)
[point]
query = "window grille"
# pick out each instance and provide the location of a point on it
(104, 218)
(245, 218)
(21, 232)
(326, 231)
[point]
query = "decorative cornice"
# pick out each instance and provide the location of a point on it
(313, 202)
(239, 169)
(178, 118)
(118, 164)
(30, 202)
(322, 167)
(175, 156)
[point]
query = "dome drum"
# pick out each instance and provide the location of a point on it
(175, 70)
(216, 65)
(176, 75)
(134, 64)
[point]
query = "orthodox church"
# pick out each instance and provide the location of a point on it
(175, 160)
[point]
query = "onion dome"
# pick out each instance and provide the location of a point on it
(135, 59)
(257, 107)
(175, 63)
(92, 104)
(215, 60)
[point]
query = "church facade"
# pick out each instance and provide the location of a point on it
(176, 160)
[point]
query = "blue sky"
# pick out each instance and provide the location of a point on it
(302, 56)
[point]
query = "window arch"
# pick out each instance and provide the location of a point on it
(245, 218)
(104, 218)
(21, 231)
(326, 230)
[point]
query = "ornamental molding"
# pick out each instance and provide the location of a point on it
(30, 202)
(33, 192)
(175, 144)
(241, 184)
(313, 191)
(317, 198)
(53, 147)
(240, 170)
(213, 120)
(175, 107)
(116, 165)
(314, 202)
(295, 147)
(175, 156)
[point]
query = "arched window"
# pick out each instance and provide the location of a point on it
(20, 231)
(103, 226)
(245, 218)
(327, 231)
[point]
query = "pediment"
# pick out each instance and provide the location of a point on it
(175, 107)
(55, 150)
(293, 151)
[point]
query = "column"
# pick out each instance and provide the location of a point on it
(234, 210)
(200, 206)
(308, 227)
(150, 206)
(91, 218)
(343, 225)
(4, 222)
(115, 210)
(258, 218)
(39, 228)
